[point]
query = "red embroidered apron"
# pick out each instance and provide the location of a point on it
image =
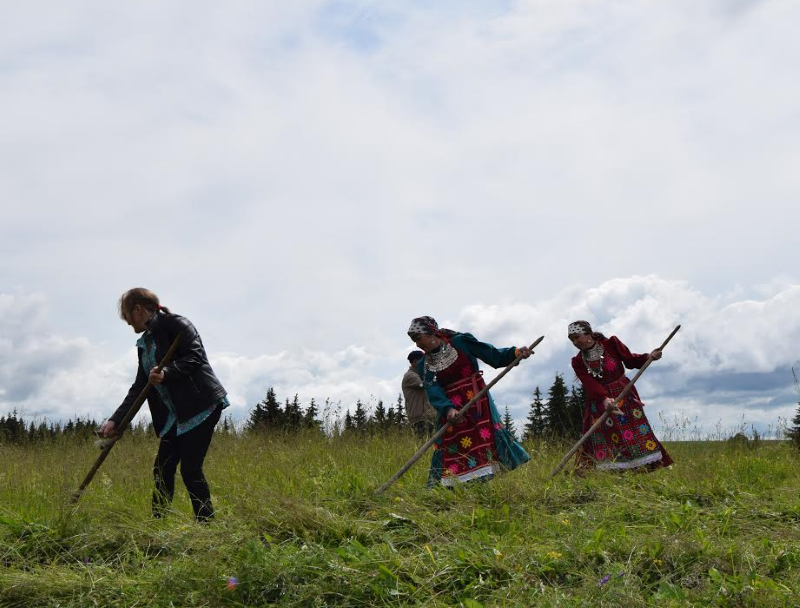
(468, 449)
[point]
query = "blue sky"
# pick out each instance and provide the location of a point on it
(301, 179)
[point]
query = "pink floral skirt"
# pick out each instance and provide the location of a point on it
(621, 442)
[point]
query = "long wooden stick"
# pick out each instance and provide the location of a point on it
(450, 423)
(619, 398)
(125, 422)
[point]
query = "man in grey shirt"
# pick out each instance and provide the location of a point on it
(421, 414)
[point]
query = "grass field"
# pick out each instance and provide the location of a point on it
(298, 524)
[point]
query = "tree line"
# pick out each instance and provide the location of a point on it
(556, 415)
(268, 416)
(559, 415)
(14, 429)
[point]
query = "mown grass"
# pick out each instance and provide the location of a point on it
(298, 523)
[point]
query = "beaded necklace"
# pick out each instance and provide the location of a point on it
(595, 353)
(439, 360)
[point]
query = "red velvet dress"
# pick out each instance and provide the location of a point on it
(622, 442)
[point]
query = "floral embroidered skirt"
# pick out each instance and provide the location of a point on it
(478, 445)
(622, 442)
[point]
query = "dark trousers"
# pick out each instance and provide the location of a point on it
(423, 428)
(189, 450)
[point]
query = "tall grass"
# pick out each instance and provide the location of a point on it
(298, 524)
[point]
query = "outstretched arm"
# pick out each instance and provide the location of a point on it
(108, 428)
(496, 357)
(629, 359)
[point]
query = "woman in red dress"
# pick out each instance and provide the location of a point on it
(625, 441)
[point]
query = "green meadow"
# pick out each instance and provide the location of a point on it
(298, 524)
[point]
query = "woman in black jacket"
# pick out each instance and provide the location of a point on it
(186, 403)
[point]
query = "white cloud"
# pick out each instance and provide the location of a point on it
(301, 177)
(733, 357)
(511, 149)
(46, 374)
(29, 354)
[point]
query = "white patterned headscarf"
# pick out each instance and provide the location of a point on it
(429, 326)
(423, 325)
(577, 328)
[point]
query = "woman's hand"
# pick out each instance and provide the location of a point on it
(608, 403)
(656, 354)
(109, 429)
(524, 352)
(156, 377)
(451, 413)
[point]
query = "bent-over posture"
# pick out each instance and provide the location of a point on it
(625, 440)
(185, 404)
(477, 446)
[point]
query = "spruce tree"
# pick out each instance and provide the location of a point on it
(310, 420)
(258, 417)
(360, 416)
(576, 405)
(12, 428)
(43, 431)
(508, 422)
(294, 414)
(274, 417)
(556, 416)
(380, 415)
(536, 424)
(399, 415)
(267, 414)
(348, 422)
(794, 431)
(284, 424)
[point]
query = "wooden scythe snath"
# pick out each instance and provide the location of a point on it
(605, 414)
(125, 422)
(450, 423)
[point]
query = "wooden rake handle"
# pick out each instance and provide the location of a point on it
(134, 409)
(605, 414)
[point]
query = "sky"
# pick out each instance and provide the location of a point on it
(301, 179)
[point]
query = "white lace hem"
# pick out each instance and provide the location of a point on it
(489, 469)
(630, 464)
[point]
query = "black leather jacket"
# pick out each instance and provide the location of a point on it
(191, 382)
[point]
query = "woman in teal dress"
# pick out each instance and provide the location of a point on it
(478, 445)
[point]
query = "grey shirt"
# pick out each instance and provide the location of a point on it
(417, 405)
